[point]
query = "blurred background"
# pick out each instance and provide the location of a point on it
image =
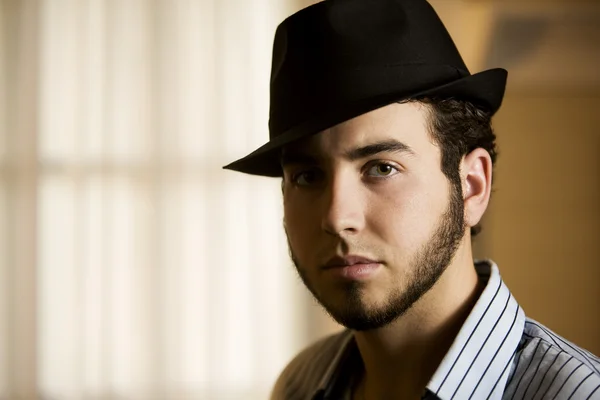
(133, 267)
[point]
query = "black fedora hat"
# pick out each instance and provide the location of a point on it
(338, 59)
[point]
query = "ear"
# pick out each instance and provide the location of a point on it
(476, 177)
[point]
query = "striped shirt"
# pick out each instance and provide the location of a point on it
(497, 354)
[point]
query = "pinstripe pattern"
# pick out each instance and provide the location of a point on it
(498, 354)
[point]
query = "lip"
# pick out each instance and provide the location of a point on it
(355, 268)
(348, 261)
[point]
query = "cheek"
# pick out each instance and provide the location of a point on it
(298, 222)
(405, 218)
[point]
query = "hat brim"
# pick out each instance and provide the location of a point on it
(485, 89)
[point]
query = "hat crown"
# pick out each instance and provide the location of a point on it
(320, 52)
(338, 59)
(363, 32)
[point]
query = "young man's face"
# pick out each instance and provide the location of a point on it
(371, 220)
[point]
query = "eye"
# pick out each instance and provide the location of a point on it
(307, 177)
(382, 169)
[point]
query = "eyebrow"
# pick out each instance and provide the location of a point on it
(386, 146)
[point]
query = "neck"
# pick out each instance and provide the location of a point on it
(401, 357)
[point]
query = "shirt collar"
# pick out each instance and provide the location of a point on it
(477, 365)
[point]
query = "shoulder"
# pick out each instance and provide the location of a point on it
(549, 366)
(303, 375)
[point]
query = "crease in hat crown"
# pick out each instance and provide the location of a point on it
(338, 59)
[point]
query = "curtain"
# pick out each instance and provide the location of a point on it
(131, 265)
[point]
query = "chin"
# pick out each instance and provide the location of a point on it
(358, 311)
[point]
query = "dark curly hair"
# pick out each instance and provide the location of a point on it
(459, 127)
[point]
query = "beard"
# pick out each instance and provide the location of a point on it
(425, 269)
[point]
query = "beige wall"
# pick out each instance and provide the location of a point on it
(543, 227)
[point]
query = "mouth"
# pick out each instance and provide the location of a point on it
(348, 261)
(352, 267)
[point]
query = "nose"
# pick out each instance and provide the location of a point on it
(343, 208)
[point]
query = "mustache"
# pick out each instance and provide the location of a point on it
(337, 244)
(336, 247)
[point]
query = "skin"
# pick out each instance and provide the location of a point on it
(394, 207)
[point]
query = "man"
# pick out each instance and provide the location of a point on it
(383, 141)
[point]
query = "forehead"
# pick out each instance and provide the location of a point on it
(406, 123)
